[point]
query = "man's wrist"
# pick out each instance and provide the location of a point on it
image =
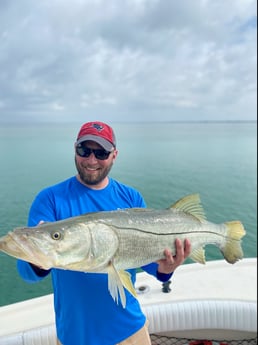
(164, 277)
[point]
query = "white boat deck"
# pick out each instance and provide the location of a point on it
(215, 280)
(196, 292)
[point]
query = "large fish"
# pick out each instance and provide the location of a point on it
(113, 241)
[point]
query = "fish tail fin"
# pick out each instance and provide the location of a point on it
(232, 251)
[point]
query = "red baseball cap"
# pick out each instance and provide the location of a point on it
(99, 132)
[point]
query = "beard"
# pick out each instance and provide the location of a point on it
(93, 179)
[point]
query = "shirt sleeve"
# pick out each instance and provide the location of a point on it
(30, 273)
(42, 208)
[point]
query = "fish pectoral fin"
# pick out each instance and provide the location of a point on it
(115, 285)
(191, 204)
(198, 255)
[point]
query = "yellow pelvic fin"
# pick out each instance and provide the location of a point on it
(191, 204)
(115, 285)
(232, 251)
(127, 282)
(117, 281)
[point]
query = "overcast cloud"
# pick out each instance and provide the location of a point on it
(127, 60)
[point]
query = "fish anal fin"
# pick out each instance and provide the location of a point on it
(190, 204)
(198, 255)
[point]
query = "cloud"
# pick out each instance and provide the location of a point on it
(128, 60)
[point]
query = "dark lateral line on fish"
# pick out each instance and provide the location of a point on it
(171, 233)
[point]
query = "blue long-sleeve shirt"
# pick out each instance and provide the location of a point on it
(84, 309)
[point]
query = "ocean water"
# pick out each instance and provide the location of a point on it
(164, 161)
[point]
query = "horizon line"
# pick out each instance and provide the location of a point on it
(133, 122)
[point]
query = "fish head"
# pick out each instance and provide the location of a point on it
(59, 244)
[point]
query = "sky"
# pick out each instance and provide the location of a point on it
(128, 60)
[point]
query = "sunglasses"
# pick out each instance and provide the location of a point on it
(85, 152)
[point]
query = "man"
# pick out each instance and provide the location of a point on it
(85, 312)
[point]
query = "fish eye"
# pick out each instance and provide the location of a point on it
(56, 235)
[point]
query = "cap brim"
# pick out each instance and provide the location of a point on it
(101, 141)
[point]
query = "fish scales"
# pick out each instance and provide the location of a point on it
(143, 234)
(113, 241)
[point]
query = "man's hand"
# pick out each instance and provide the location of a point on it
(170, 263)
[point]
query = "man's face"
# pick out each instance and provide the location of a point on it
(93, 171)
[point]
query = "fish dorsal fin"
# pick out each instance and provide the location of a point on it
(190, 204)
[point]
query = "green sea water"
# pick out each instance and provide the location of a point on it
(164, 161)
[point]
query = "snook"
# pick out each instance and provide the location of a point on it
(113, 241)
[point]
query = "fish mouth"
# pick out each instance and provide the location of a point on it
(10, 246)
(23, 247)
